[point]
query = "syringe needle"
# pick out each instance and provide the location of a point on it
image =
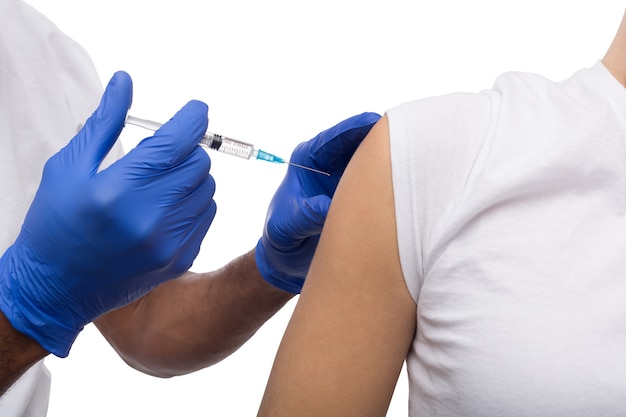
(225, 145)
(308, 168)
(266, 156)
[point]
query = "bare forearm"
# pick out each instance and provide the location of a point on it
(194, 321)
(17, 353)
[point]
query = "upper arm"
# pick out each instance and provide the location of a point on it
(350, 332)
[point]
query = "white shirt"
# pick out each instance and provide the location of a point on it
(48, 88)
(511, 214)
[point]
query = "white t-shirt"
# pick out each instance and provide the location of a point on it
(511, 218)
(48, 88)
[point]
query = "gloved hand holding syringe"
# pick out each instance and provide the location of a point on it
(225, 145)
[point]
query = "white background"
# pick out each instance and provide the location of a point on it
(275, 73)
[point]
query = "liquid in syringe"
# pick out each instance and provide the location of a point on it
(225, 145)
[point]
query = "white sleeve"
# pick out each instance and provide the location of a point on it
(434, 143)
(48, 88)
(29, 396)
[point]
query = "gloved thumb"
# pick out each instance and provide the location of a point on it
(94, 141)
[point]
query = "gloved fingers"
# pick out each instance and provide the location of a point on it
(192, 241)
(305, 221)
(187, 176)
(335, 146)
(176, 139)
(313, 212)
(187, 220)
(186, 201)
(94, 141)
(197, 200)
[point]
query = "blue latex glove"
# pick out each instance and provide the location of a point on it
(298, 209)
(94, 241)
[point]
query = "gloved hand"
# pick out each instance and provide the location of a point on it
(94, 241)
(298, 209)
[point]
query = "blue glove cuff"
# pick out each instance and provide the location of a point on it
(25, 317)
(281, 281)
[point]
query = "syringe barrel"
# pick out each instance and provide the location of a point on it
(210, 140)
(227, 145)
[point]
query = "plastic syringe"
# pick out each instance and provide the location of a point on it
(225, 145)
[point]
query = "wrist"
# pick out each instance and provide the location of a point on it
(18, 352)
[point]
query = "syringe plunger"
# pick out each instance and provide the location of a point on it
(224, 144)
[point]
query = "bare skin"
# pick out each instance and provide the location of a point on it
(350, 367)
(182, 326)
(356, 285)
(17, 354)
(615, 58)
(194, 321)
(199, 318)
